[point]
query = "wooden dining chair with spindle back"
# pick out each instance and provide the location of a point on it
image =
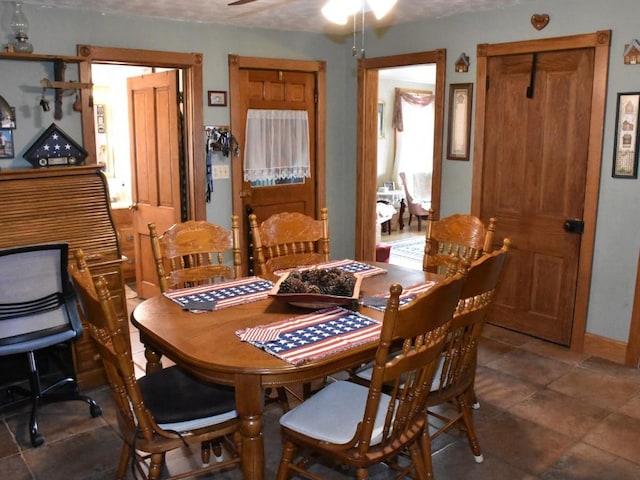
(455, 379)
(196, 252)
(288, 240)
(160, 412)
(363, 425)
(465, 236)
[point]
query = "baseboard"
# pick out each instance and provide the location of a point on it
(607, 348)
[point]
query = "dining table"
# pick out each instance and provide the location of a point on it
(208, 345)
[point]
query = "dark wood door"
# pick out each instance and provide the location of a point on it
(280, 90)
(536, 138)
(155, 153)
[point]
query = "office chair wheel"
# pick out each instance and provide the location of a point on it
(36, 439)
(95, 410)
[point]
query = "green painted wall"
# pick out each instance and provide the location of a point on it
(57, 31)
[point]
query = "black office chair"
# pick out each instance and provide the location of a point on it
(38, 310)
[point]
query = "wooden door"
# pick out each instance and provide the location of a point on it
(274, 84)
(278, 90)
(155, 154)
(536, 139)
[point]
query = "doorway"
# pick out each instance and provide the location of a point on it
(367, 143)
(190, 64)
(406, 116)
(537, 161)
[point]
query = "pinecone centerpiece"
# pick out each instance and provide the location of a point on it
(328, 281)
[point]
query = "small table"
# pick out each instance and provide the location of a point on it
(395, 198)
(391, 196)
(205, 344)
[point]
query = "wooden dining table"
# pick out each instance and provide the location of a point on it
(206, 345)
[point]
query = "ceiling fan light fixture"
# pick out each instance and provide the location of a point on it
(338, 11)
(381, 7)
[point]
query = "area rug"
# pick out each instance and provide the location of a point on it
(412, 248)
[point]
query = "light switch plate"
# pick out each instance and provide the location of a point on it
(220, 171)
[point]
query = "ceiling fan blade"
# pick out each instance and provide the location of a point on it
(240, 2)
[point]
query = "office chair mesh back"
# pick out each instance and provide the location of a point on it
(34, 284)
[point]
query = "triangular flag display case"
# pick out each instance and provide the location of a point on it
(55, 147)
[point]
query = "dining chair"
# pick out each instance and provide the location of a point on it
(195, 252)
(458, 234)
(160, 412)
(455, 379)
(359, 425)
(288, 240)
(416, 206)
(38, 311)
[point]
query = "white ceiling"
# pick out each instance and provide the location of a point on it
(300, 15)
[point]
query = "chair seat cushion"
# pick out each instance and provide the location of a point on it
(333, 414)
(181, 402)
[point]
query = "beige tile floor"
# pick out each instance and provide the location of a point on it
(546, 413)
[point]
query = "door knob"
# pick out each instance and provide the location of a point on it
(574, 226)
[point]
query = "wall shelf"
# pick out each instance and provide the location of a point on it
(59, 65)
(39, 57)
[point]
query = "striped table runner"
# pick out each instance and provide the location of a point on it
(315, 335)
(357, 268)
(407, 295)
(221, 295)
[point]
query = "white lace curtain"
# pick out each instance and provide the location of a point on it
(277, 145)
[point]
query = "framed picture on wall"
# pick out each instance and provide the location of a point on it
(217, 98)
(459, 130)
(6, 143)
(9, 122)
(625, 154)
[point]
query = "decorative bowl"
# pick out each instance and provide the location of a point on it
(314, 300)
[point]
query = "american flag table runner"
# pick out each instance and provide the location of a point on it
(315, 335)
(221, 295)
(358, 268)
(378, 302)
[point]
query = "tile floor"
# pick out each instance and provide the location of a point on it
(546, 413)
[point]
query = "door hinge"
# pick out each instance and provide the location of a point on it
(245, 193)
(180, 98)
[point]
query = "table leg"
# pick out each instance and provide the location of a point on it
(249, 405)
(153, 360)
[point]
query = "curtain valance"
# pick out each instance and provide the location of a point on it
(416, 99)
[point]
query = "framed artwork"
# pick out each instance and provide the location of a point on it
(217, 98)
(9, 122)
(459, 129)
(380, 119)
(625, 154)
(6, 143)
